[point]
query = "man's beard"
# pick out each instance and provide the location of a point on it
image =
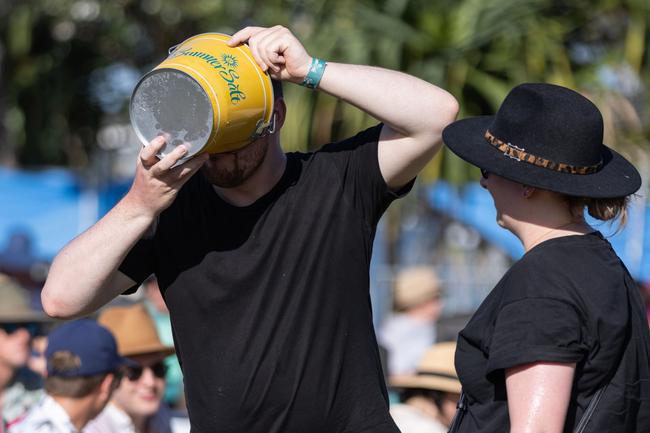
(230, 170)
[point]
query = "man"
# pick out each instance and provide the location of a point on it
(82, 372)
(136, 404)
(409, 332)
(263, 258)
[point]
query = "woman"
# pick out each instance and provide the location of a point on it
(564, 328)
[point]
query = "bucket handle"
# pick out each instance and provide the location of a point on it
(172, 49)
(264, 128)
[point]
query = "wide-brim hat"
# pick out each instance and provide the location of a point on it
(435, 371)
(415, 285)
(549, 137)
(15, 306)
(134, 330)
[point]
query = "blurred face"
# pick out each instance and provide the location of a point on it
(231, 169)
(141, 389)
(14, 346)
(448, 407)
(37, 362)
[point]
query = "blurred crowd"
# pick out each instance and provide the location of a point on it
(117, 371)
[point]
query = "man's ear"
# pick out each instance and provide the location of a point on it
(108, 385)
(280, 113)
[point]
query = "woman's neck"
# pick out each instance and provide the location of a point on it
(532, 235)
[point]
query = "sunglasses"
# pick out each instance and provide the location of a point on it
(159, 370)
(484, 173)
(34, 329)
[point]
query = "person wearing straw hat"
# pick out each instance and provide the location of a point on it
(83, 370)
(263, 259)
(560, 343)
(411, 330)
(428, 396)
(20, 388)
(136, 405)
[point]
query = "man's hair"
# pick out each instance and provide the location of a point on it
(277, 89)
(72, 387)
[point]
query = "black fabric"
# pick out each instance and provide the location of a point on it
(551, 122)
(270, 304)
(569, 299)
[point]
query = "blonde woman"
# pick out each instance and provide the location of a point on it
(561, 343)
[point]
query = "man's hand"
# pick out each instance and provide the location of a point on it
(156, 183)
(276, 50)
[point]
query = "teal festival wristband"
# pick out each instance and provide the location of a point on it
(316, 70)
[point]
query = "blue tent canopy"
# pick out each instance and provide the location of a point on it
(472, 205)
(48, 207)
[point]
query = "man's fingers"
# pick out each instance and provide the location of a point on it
(149, 152)
(184, 171)
(244, 35)
(269, 48)
(170, 159)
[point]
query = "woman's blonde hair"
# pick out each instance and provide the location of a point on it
(604, 209)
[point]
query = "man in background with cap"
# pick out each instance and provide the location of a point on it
(411, 330)
(136, 405)
(263, 259)
(83, 371)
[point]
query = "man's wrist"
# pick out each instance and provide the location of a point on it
(314, 73)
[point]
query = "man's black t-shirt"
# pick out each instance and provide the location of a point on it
(269, 303)
(568, 300)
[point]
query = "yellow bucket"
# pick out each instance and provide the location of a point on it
(209, 96)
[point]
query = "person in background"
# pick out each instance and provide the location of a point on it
(83, 370)
(428, 397)
(136, 405)
(411, 330)
(562, 340)
(156, 307)
(20, 388)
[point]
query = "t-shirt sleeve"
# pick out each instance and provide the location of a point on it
(139, 263)
(357, 161)
(536, 329)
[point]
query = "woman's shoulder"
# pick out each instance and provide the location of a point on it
(568, 268)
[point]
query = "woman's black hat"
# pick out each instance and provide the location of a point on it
(549, 137)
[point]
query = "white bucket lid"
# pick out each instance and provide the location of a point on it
(171, 103)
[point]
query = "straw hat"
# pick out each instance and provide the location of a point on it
(415, 285)
(14, 307)
(134, 330)
(436, 371)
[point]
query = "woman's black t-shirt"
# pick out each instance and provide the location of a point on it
(568, 300)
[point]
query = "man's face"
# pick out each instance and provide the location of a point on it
(230, 170)
(14, 346)
(141, 390)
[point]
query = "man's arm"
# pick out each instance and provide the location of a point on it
(413, 111)
(84, 274)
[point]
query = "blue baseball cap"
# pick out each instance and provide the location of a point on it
(92, 343)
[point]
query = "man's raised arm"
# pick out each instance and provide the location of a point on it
(84, 274)
(414, 112)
